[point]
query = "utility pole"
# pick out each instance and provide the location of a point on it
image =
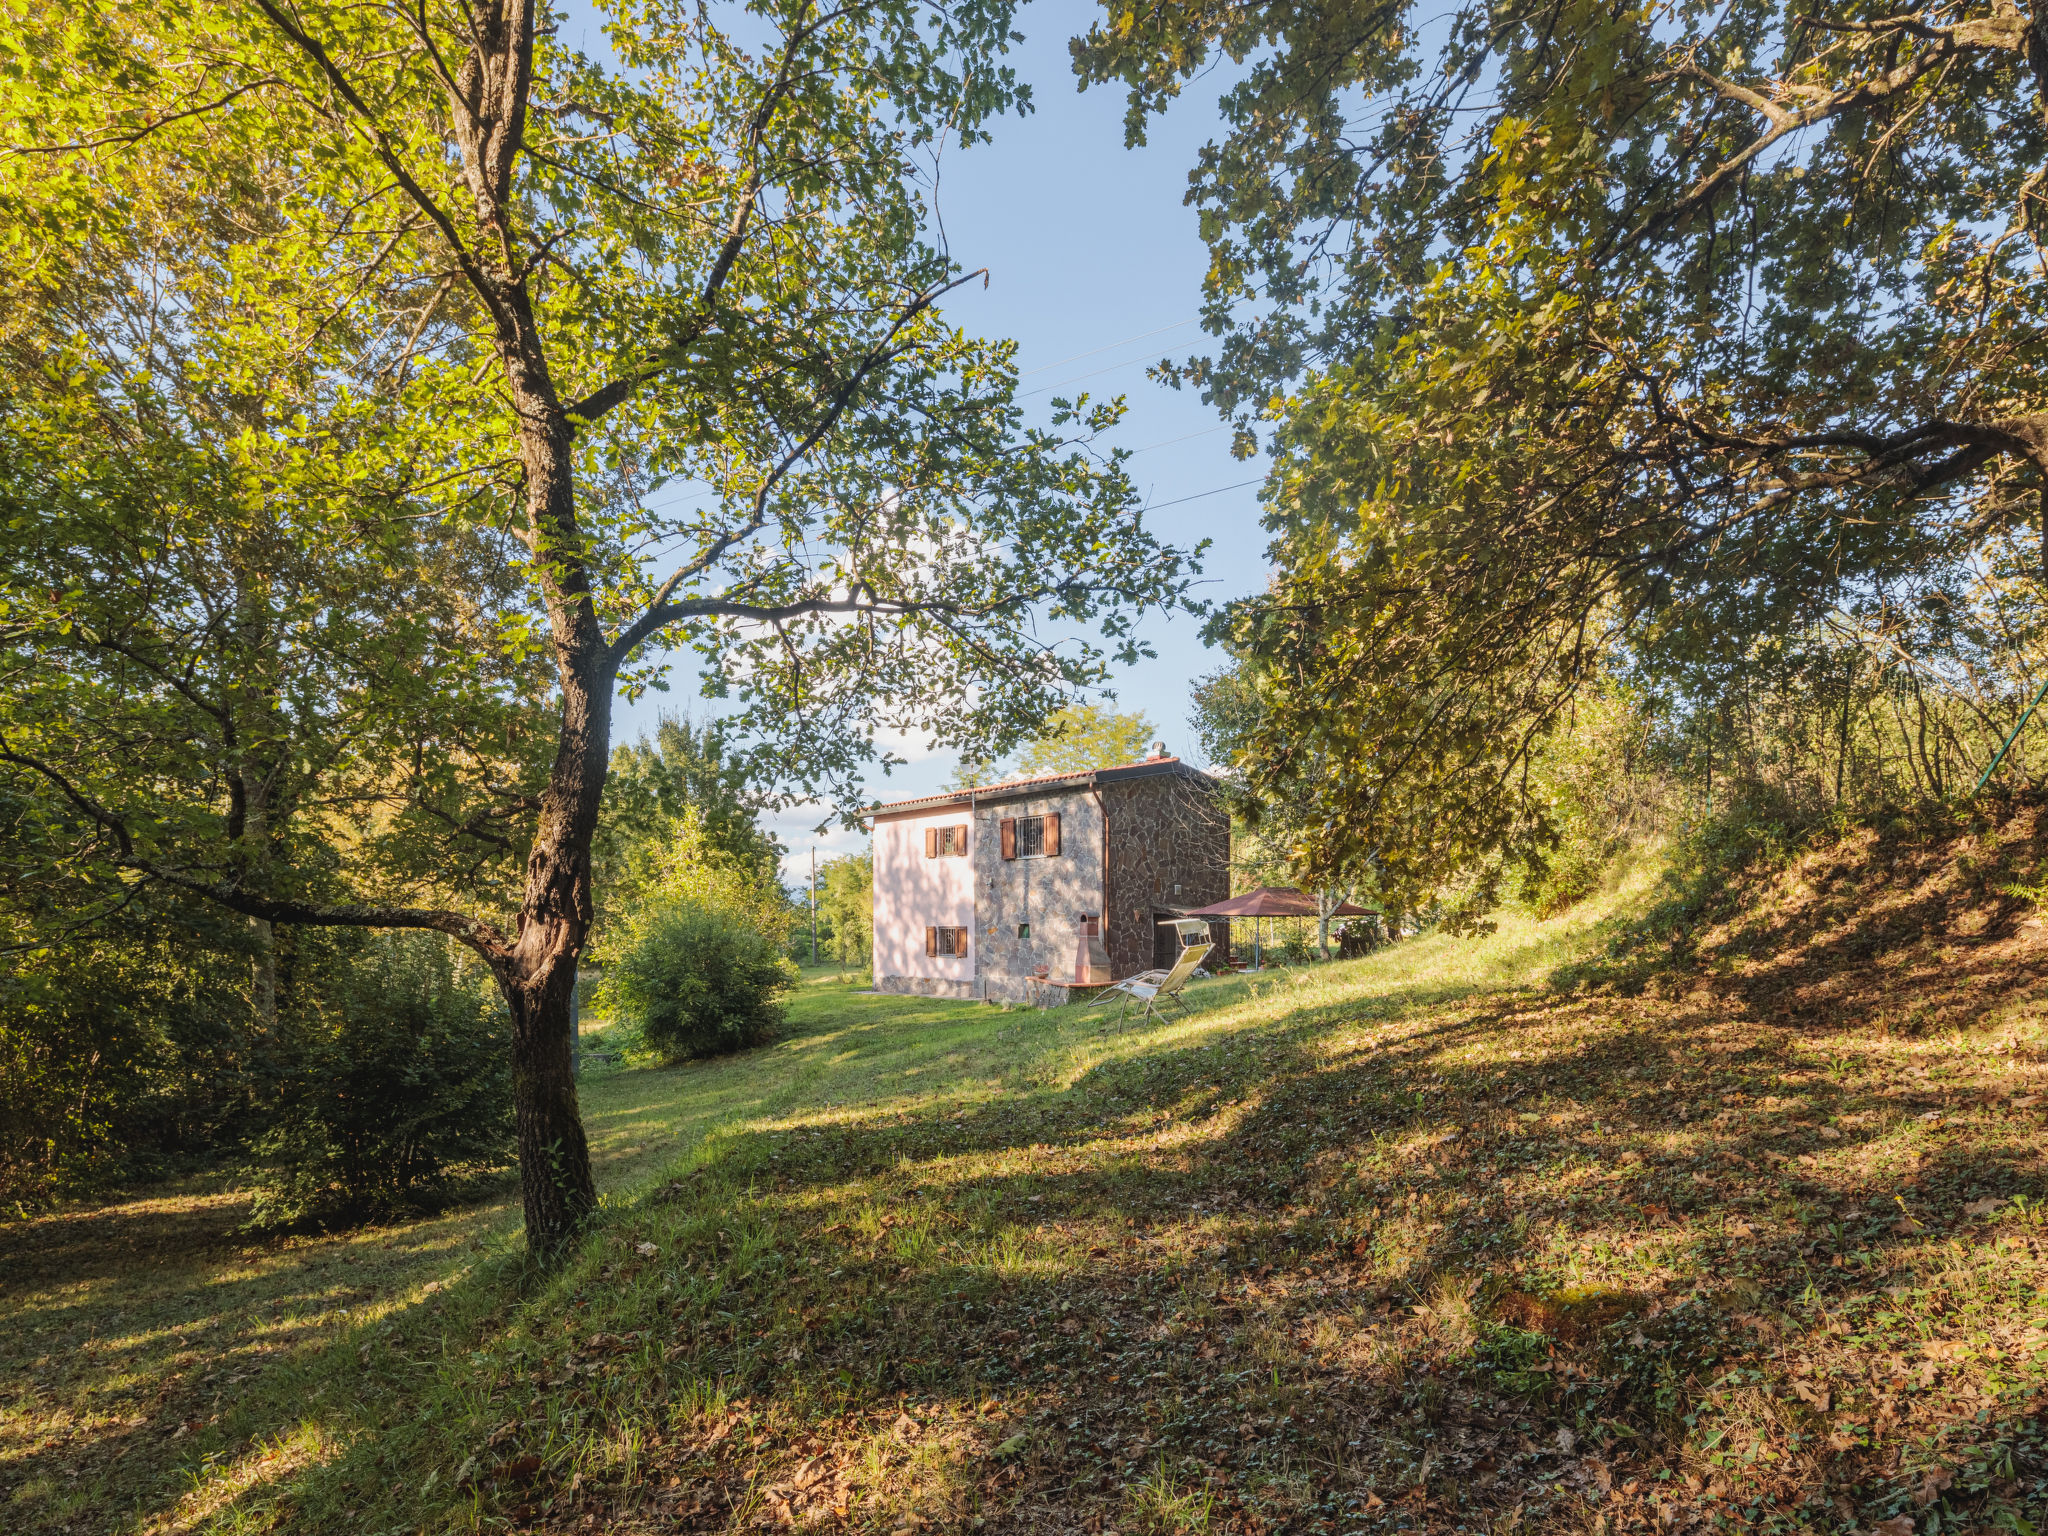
(814, 903)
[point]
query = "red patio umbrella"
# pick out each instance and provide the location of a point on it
(1274, 901)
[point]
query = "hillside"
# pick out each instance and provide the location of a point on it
(1519, 1233)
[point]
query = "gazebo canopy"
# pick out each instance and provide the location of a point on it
(1275, 901)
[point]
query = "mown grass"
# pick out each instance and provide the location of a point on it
(1407, 1242)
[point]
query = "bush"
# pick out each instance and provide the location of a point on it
(400, 1093)
(696, 980)
(124, 1051)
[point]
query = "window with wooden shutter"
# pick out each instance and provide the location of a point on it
(931, 941)
(1052, 836)
(1009, 837)
(931, 842)
(960, 840)
(1030, 837)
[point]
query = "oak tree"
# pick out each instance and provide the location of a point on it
(1595, 335)
(659, 339)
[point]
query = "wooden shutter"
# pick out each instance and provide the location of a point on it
(1009, 837)
(1052, 835)
(960, 840)
(931, 842)
(931, 941)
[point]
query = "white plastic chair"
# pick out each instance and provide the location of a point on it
(1153, 988)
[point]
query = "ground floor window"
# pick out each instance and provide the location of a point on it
(945, 941)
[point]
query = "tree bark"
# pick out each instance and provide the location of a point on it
(1842, 739)
(555, 1184)
(538, 975)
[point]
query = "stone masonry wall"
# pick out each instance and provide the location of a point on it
(925, 986)
(1050, 894)
(1169, 847)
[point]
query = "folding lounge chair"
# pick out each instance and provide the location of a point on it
(1153, 988)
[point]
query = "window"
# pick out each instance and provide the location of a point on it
(945, 842)
(945, 941)
(1023, 930)
(1031, 837)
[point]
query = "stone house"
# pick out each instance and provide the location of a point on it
(976, 890)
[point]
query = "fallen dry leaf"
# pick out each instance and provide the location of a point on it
(1818, 1396)
(1983, 1207)
(1931, 1486)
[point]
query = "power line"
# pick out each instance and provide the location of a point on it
(1129, 362)
(1107, 346)
(1218, 491)
(1169, 442)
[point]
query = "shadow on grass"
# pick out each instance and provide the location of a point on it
(1257, 1249)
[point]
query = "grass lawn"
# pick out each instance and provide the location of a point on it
(1438, 1239)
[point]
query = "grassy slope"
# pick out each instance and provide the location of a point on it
(1408, 1241)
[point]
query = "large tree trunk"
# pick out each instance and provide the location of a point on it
(539, 975)
(555, 1183)
(540, 981)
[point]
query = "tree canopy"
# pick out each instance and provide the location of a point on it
(1086, 735)
(1593, 337)
(394, 384)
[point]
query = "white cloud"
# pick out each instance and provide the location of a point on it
(795, 827)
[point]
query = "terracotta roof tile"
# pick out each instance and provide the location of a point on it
(1028, 781)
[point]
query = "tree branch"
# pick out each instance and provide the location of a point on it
(380, 143)
(614, 393)
(660, 610)
(1999, 34)
(139, 134)
(479, 935)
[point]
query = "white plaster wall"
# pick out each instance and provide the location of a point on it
(913, 893)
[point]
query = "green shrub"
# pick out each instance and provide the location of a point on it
(696, 980)
(125, 1051)
(399, 1095)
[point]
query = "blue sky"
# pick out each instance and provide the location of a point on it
(1088, 247)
